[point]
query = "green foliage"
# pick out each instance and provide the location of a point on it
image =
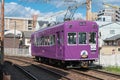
(112, 69)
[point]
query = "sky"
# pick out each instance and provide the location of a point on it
(50, 8)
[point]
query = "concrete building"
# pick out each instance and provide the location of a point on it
(20, 24)
(114, 13)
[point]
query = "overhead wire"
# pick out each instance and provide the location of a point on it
(12, 11)
(27, 3)
(47, 8)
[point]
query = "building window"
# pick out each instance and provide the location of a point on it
(112, 31)
(118, 49)
(29, 21)
(29, 27)
(103, 19)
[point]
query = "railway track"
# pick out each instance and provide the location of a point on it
(70, 74)
(26, 72)
(60, 76)
(20, 72)
(88, 75)
(113, 75)
(101, 75)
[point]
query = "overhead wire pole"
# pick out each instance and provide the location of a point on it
(72, 10)
(2, 33)
(88, 7)
(34, 21)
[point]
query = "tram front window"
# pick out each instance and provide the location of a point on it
(71, 38)
(92, 37)
(82, 38)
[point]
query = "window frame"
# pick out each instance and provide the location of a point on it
(75, 39)
(86, 38)
(95, 38)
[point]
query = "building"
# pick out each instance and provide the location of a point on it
(114, 13)
(104, 18)
(109, 29)
(44, 22)
(26, 39)
(113, 41)
(110, 35)
(19, 30)
(20, 24)
(14, 31)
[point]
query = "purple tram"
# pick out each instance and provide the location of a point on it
(70, 44)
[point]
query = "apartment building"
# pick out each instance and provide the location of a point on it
(20, 24)
(109, 12)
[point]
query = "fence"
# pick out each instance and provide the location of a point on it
(17, 52)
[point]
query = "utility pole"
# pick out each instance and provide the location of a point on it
(34, 21)
(88, 12)
(2, 33)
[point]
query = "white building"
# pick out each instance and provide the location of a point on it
(44, 21)
(114, 13)
(108, 29)
(105, 18)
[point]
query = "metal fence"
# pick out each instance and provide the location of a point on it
(17, 52)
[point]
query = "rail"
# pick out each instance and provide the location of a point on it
(42, 67)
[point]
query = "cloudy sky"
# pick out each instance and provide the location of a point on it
(27, 8)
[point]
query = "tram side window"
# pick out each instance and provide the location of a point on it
(71, 38)
(52, 39)
(42, 40)
(45, 40)
(92, 37)
(82, 38)
(35, 40)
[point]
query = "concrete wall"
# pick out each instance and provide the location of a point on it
(17, 52)
(109, 60)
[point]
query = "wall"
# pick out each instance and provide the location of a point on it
(11, 43)
(17, 52)
(109, 60)
(110, 50)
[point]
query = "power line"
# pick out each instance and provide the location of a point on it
(12, 11)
